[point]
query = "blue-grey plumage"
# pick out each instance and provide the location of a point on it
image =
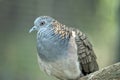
(63, 52)
(50, 47)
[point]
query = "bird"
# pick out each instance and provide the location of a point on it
(63, 52)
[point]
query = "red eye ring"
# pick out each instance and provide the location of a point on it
(42, 23)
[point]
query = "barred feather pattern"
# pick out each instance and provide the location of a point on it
(61, 29)
(86, 55)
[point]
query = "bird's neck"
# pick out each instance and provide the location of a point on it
(51, 46)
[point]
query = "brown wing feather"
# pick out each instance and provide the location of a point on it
(86, 55)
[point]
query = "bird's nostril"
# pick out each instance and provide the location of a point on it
(33, 28)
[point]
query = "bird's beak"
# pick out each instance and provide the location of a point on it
(33, 29)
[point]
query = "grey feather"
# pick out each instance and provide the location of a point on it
(63, 52)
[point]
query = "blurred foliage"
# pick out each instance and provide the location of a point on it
(99, 19)
(118, 32)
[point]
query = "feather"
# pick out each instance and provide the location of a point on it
(86, 55)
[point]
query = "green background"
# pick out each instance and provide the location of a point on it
(99, 19)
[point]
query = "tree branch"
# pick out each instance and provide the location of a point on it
(108, 73)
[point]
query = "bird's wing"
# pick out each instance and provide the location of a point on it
(85, 52)
(86, 55)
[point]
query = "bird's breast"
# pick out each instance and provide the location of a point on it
(59, 60)
(50, 46)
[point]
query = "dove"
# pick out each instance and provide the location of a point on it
(63, 52)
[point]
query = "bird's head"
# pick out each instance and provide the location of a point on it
(41, 22)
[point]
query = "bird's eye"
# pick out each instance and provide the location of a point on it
(42, 23)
